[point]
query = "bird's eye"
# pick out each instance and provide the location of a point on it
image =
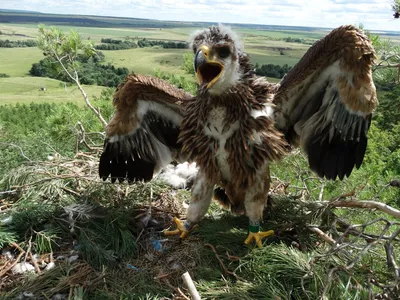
(224, 52)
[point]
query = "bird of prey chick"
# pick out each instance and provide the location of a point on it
(238, 123)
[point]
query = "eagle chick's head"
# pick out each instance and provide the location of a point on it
(216, 63)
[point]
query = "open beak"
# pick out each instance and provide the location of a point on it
(207, 69)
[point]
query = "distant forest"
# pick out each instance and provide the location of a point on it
(91, 69)
(15, 44)
(270, 70)
(112, 44)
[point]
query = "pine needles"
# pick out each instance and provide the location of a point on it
(106, 241)
(61, 280)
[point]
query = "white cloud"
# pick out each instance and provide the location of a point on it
(374, 14)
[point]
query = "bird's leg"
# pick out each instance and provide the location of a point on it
(255, 201)
(202, 192)
(255, 233)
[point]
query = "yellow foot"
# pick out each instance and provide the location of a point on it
(258, 236)
(180, 229)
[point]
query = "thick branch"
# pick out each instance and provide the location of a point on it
(190, 286)
(366, 204)
(387, 66)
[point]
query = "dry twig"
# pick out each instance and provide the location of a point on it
(182, 294)
(19, 148)
(6, 269)
(35, 264)
(232, 257)
(322, 235)
(81, 138)
(223, 267)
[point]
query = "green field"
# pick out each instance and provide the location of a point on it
(262, 50)
(265, 45)
(147, 60)
(29, 89)
(314, 34)
(16, 62)
(24, 31)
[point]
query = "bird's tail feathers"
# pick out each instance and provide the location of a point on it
(222, 198)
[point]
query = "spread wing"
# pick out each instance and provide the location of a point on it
(142, 136)
(324, 104)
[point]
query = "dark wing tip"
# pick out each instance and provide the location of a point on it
(336, 157)
(139, 169)
(119, 162)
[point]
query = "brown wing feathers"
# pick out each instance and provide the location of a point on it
(334, 146)
(142, 135)
(326, 102)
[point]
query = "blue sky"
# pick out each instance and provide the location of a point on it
(374, 14)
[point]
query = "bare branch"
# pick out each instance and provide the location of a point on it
(366, 204)
(82, 137)
(182, 294)
(391, 260)
(63, 66)
(8, 192)
(322, 235)
(85, 97)
(350, 229)
(19, 148)
(223, 267)
(51, 147)
(387, 66)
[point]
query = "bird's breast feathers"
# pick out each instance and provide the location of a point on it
(220, 132)
(231, 151)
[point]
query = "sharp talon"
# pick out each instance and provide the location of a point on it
(257, 237)
(172, 232)
(180, 230)
(184, 234)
